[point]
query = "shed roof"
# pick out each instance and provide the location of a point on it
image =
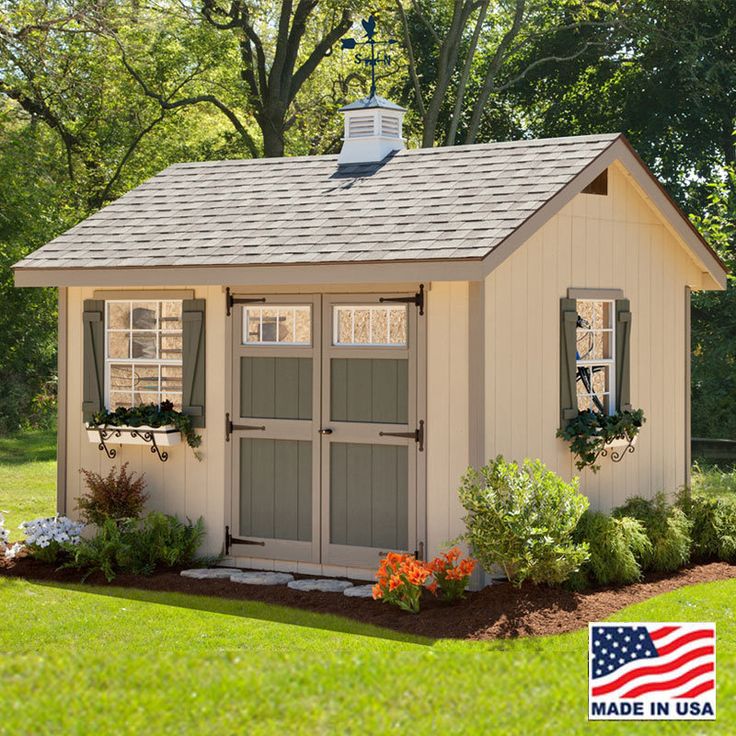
(436, 203)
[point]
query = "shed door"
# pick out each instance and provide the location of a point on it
(275, 422)
(369, 418)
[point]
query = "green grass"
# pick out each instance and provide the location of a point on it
(90, 660)
(713, 480)
(27, 478)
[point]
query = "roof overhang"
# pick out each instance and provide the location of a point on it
(714, 272)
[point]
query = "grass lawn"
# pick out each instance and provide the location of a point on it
(27, 478)
(94, 661)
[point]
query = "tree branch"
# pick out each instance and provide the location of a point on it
(421, 109)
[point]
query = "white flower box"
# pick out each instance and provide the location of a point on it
(165, 436)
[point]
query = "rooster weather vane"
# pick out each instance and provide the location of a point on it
(369, 26)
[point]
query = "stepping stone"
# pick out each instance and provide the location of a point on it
(262, 578)
(209, 573)
(323, 585)
(359, 591)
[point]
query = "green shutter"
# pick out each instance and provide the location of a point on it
(568, 359)
(93, 382)
(193, 372)
(623, 355)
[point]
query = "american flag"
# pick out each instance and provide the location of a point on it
(644, 661)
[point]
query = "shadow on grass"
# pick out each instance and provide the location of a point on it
(27, 447)
(245, 609)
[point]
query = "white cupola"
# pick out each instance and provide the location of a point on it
(372, 130)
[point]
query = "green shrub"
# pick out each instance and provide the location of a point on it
(522, 519)
(712, 526)
(117, 496)
(616, 545)
(668, 530)
(138, 547)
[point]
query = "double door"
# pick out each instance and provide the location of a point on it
(324, 427)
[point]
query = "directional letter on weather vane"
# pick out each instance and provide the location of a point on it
(370, 31)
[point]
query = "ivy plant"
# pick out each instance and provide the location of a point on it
(590, 431)
(150, 415)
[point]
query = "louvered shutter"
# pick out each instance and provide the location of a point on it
(93, 382)
(568, 359)
(193, 357)
(623, 355)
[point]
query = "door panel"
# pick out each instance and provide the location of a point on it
(276, 388)
(276, 489)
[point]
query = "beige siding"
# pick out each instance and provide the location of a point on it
(615, 241)
(447, 444)
(182, 485)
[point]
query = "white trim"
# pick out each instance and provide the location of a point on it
(61, 402)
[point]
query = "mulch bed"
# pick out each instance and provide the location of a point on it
(499, 611)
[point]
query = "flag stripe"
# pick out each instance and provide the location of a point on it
(652, 670)
(685, 639)
(664, 631)
(670, 684)
(704, 687)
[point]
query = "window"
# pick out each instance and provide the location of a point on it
(143, 353)
(595, 359)
(277, 325)
(370, 325)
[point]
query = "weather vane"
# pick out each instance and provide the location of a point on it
(370, 31)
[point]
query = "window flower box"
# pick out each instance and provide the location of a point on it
(166, 435)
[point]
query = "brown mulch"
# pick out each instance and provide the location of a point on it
(498, 611)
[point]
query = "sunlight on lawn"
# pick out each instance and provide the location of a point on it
(27, 478)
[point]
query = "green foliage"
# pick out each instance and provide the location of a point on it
(117, 496)
(151, 415)
(712, 525)
(138, 547)
(668, 530)
(589, 432)
(712, 480)
(616, 546)
(523, 519)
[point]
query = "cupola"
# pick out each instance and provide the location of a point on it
(372, 130)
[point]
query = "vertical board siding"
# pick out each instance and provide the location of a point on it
(184, 485)
(276, 489)
(369, 390)
(276, 388)
(369, 497)
(594, 242)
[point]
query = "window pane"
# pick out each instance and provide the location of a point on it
(118, 345)
(120, 399)
(118, 315)
(274, 325)
(370, 325)
(170, 315)
(144, 345)
(171, 346)
(145, 378)
(594, 345)
(593, 387)
(597, 315)
(144, 315)
(141, 398)
(171, 379)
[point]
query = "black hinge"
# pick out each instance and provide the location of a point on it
(417, 300)
(417, 435)
(230, 427)
(231, 301)
(230, 540)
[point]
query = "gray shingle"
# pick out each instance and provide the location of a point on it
(438, 203)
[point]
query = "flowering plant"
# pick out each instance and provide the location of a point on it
(400, 581)
(4, 533)
(48, 536)
(451, 575)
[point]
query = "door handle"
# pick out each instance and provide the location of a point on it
(325, 431)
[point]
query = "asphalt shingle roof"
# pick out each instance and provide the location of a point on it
(439, 203)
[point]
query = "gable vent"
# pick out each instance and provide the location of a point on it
(390, 125)
(361, 126)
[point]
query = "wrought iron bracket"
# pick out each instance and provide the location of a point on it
(417, 300)
(108, 433)
(617, 454)
(230, 540)
(231, 301)
(417, 435)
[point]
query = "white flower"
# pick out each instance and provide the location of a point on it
(11, 552)
(44, 531)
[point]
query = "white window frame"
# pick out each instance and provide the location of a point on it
(275, 343)
(609, 362)
(157, 362)
(336, 308)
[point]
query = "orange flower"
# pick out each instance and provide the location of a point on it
(432, 588)
(377, 592)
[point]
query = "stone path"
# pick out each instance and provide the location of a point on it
(267, 577)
